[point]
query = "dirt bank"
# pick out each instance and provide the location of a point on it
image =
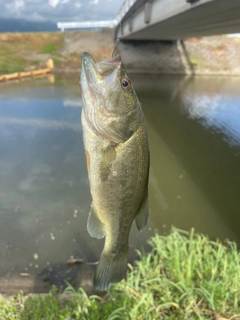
(30, 51)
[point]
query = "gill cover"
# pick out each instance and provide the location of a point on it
(110, 103)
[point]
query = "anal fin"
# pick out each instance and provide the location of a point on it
(142, 216)
(94, 226)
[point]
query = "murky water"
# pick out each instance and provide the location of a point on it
(194, 134)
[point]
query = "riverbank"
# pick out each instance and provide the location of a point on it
(185, 276)
(30, 51)
(217, 55)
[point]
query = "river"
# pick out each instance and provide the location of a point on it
(194, 135)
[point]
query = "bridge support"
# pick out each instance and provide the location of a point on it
(155, 57)
(217, 55)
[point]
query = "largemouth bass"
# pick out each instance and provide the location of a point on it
(117, 158)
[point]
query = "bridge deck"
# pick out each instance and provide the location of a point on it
(171, 19)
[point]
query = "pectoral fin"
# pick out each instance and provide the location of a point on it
(108, 156)
(94, 226)
(109, 153)
(142, 216)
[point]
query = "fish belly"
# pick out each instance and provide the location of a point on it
(118, 184)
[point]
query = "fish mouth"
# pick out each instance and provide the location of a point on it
(87, 60)
(93, 71)
(89, 72)
(87, 56)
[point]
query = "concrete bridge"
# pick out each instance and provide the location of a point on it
(177, 19)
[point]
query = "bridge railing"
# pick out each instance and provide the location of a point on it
(87, 24)
(126, 5)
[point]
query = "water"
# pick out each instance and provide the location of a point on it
(194, 134)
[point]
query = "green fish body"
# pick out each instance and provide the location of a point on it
(117, 158)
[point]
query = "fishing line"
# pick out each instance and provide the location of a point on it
(117, 42)
(118, 39)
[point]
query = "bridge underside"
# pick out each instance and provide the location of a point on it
(179, 19)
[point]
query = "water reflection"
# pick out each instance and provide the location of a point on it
(43, 188)
(195, 172)
(72, 103)
(50, 124)
(44, 191)
(218, 113)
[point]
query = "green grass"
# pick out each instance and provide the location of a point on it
(10, 66)
(18, 50)
(57, 62)
(35, 62)
(185, 276)
(50, 47)
(53, 45)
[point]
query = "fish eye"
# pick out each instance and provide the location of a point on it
(126, 84)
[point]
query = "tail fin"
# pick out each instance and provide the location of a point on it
(110, 269)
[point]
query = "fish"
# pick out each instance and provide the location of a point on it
(117, 160)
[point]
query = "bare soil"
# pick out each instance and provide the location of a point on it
(99, 44)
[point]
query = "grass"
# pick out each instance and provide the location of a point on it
(29, 51)
(185, 276)
(18, 50)
(51, 47)
(10, 66)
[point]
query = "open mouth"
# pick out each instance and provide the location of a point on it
(102, 68)
(89, 71)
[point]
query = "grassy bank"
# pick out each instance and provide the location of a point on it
(30, 51)
(26, 51)
(185, 276)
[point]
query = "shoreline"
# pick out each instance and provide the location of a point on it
(185, 275)
(24, 52)
(208, 56)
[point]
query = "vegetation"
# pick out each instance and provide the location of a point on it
(29, 51)
(51, 47)
(185, 276)
(22, 51)
(7, 65)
